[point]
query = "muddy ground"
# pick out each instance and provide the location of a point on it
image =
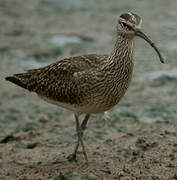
(140, 140)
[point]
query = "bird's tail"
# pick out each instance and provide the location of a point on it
(14, 79)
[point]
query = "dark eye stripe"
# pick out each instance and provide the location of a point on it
(125, 25)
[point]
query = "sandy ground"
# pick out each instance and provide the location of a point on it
(140, 140)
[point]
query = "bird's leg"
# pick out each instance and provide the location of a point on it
(83, 127)
(80, 132)
(84, 122)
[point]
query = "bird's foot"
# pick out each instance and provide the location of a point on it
(72, 157)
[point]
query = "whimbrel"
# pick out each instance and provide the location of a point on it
(88, 84)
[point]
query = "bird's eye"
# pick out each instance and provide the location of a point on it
(126, 26)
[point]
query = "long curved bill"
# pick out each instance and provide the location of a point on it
(143, 36)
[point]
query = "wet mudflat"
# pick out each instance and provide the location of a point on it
(139, 141)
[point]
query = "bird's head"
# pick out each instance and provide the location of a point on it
(129, 26)
(128, 23)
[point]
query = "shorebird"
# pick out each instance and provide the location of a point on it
(88, 84)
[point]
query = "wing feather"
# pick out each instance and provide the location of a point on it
(60, 81)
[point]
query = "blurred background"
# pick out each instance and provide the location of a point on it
(34, 33)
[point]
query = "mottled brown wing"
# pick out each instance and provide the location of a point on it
(60, 81)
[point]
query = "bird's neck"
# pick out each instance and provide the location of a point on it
(123, 51)
(119, 65)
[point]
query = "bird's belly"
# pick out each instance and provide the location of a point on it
(89, 108)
